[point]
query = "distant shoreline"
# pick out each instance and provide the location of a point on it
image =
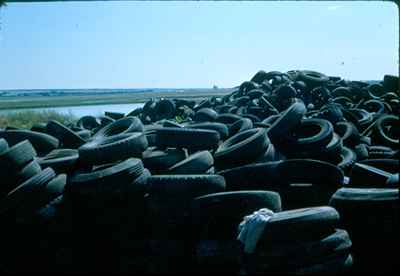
(83, 98)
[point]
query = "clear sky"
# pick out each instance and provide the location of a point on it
(191, 44)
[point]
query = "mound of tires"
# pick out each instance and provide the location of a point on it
(293, 172)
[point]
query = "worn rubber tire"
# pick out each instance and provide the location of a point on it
(160, 160)
(67, 137)
(121, 126)
(222, 129)
(190, 138)
(60, 160)
(242, 148)
(114, 148)
(240, 126)
(196, 163)
(173, 187)
(205, 115)
(289, 119)
(217, 216)
(43, 143)
(103, 182)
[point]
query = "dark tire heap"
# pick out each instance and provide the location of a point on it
(164, 188)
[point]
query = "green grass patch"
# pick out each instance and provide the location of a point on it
(26, 119)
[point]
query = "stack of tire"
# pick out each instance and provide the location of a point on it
(301, 241)
(121, 192)
(27, 195)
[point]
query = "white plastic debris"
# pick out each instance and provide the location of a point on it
(252, 227)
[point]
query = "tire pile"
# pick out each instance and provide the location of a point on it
(164, 188)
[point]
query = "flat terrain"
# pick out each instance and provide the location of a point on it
(14, 102)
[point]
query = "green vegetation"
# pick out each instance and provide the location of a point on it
(26, 119)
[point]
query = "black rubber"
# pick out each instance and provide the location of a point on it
(60, 160)
(239, 126)
(312, 78)
(114, 148)
(242, 148)
(300, 224)
(106, 181)
(67, 137)
(384, 137)
(227, 118)
(205, 115)
(185, 186)
(17, 156)
(389, 165)
(217, 216)
(312, 135)
(43, 143)
(28, 171)
(261, 176)
(114, 115)
(366, 176)
(190, 138)
(121, 126)
(222, 129)
(289, 119)
(26, 196)
(165, 109)
(347, 159)
(196, 163)
(157, 160)
(348, 132)
(3, 145)
(88, 122)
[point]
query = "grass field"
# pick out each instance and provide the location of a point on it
(15, 102)
(26, 119)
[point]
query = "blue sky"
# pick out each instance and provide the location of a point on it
(191, 44)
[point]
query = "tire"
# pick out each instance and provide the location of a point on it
(227, 118)
(121, 126)
(84, 134)
(365, 176)
(39, 127)
(107, 181)
(240, 126)
(158, 161)
(222, 129)
(190, 138)
(304, 224)
(217, 216)
(348, 132)
(384, 137)
(196, 163)
(262, 176)
(242, 148)
(205, 115)
(3, 145)
(390, 83)
(25, 197)
(67, 137)
(165, 109)
(312, 78)
(172, 187)
(30, 170)
(60, 160)
(312, 135)
(389, 165)
(89, 122)
(114, 148)
(43, 143)
(287, 122)
(347, 159)
(17, 156)
(114, 115)
(287, 256)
